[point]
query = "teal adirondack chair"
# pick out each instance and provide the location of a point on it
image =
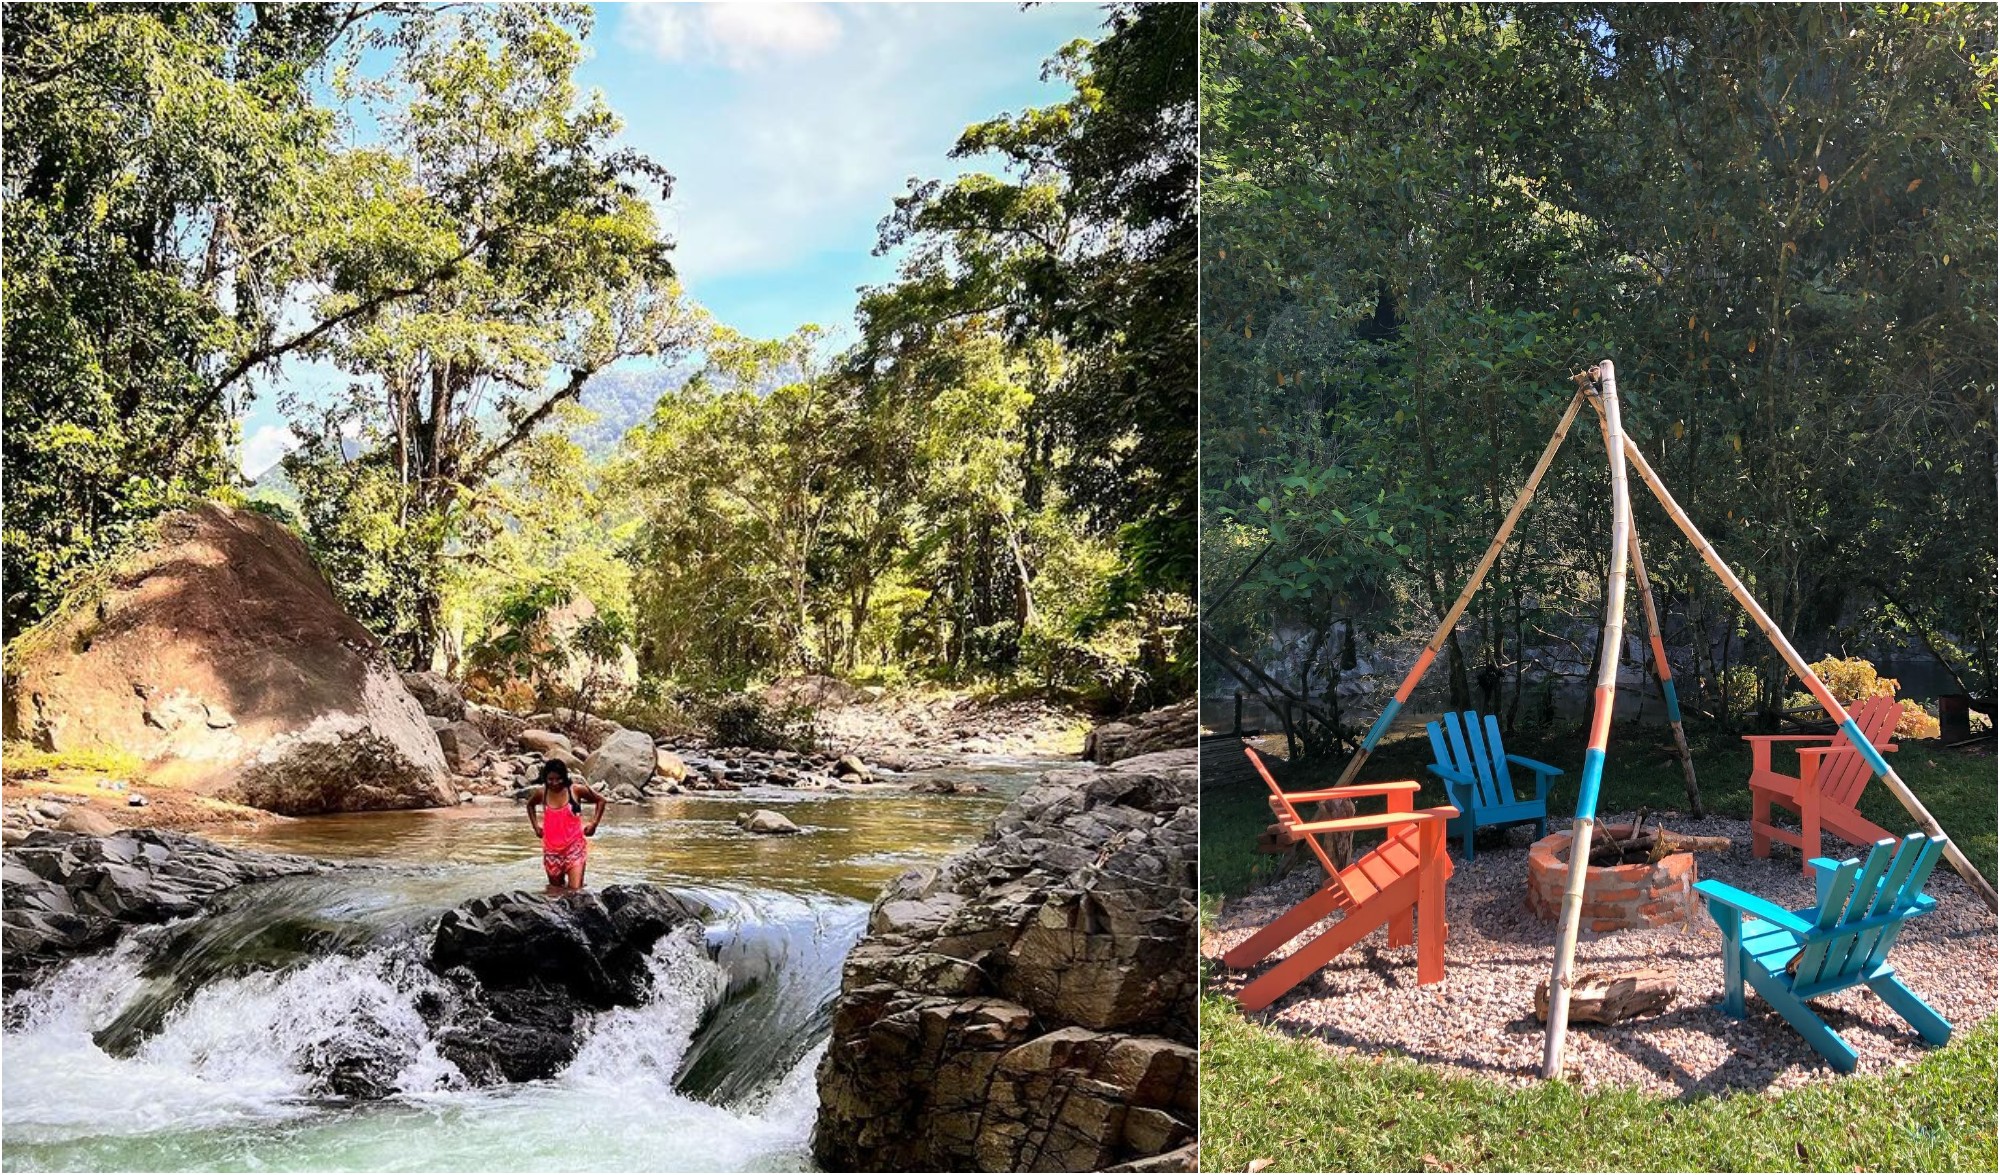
(1473, 765)
(1791, 956)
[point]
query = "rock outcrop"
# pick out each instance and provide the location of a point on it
(220, 656)
(66, 893)
(1164, 729)
(1029, 1004)
(526, 968)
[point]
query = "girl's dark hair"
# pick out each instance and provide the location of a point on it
(554, 767)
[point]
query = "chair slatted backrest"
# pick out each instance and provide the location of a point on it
(1281, 804)
(1841, 777)
(1862, 908)
(1471, 747)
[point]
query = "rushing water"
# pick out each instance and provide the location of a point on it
(203, 1064)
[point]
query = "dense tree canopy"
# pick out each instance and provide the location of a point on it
(1779, 222)
(996, 479)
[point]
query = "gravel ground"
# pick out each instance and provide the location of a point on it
(1481, 1021)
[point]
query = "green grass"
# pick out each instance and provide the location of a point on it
(1302, 1107)
(1268, 1096)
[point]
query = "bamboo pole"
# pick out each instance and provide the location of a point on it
(1438, 638)
(1812, 682)
(1609, 646)
(1665, 673)
(1661, 669)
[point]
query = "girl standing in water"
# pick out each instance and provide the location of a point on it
(565, 847)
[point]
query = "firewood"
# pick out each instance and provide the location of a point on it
(1667, 842)
(1607, 999)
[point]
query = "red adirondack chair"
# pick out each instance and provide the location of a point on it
(1824, 793)
(1401, 877)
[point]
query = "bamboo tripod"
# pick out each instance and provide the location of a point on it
(1599, 387)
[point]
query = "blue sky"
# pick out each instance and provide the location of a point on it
(789, 128)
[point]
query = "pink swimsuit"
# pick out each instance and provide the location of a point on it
(563, 842)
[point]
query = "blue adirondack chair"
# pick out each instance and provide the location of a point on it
(1791, 956)
(1473, 765)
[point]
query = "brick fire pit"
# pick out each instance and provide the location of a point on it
(1615, 897)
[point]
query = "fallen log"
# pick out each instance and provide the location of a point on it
(1607, 999)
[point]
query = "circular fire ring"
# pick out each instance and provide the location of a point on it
(1615, 897)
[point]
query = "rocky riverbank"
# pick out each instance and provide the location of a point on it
(1029, 1003)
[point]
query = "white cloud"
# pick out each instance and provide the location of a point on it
(263, 448)
(740, 35)
(774, 169)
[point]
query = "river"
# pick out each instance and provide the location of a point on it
(715, 1073)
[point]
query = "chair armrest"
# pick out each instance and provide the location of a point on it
(1843, 749)
(1539, 768)
(1449, 774)
(1353, 791)
(1380, 820)
(1751, 904)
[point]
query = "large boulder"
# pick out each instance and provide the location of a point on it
(437, 694)
(220, 656)
(1164, 729)
(464, 748)
(591, 945)
(625, 759)
(1029, 1004)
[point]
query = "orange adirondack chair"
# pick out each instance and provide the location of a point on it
(1402, 876)
(1824, 793)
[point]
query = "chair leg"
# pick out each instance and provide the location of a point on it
(1921, 1016)
(1825, 1041)
(1471, 830)
(1430, 904)
(1808, 825)
(1731, 923)
(1402, 932)
(1760, 819)
(1542, 828)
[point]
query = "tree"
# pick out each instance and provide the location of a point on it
(488, 158)
(1404, 255)
(1089, 243)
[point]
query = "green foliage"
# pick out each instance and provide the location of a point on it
(1748, 208)
(152, 158)
(1087, 242)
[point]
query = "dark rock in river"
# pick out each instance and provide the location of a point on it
(1029, 1005)
(528, 968)
(1165, 729)
(591, 945)
(65, 893)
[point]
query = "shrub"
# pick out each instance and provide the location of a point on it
(746, 720)
(1852, 680)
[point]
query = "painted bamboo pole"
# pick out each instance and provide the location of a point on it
(1465, 594)
(1609, 646)
(1665, 672)
(1661, 669)
(1812, 682)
